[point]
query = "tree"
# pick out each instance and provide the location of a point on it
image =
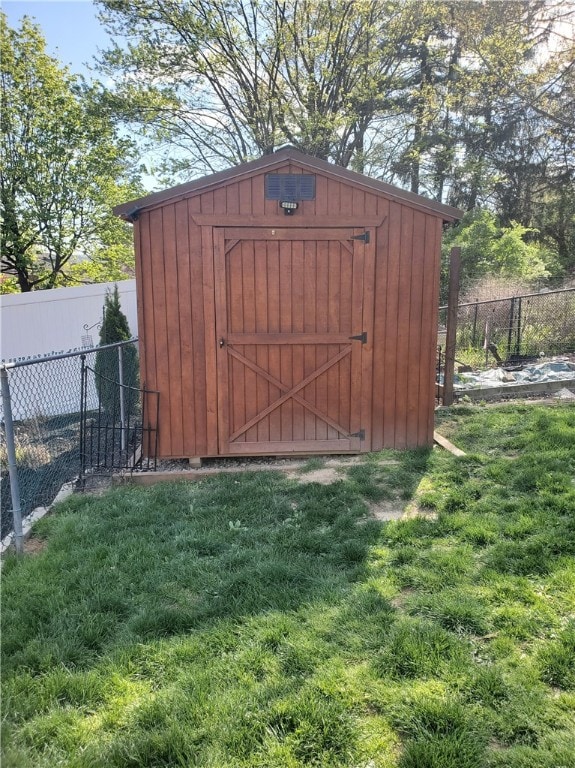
(469, 103)
(221, 83)
(516, 135)
(489, 248)
(115, 328)
(62, 167)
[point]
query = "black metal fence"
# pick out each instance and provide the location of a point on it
(514, 329)
(121, 432)
(46, 403)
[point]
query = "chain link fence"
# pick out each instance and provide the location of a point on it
(515, 329)
(45, 397)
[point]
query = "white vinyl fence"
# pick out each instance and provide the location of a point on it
(54, 322)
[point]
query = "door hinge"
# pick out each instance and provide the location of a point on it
(360, 434)
(360, 337)
(364, 236)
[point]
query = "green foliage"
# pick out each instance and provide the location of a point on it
(107, 367)
(62, 168)
(490, 249)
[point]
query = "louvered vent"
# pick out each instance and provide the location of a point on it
(290, 186)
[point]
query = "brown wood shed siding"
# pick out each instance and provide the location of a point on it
(176, 290)
(405, 322)
(171, 324)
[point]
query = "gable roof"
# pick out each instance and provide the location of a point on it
(128, 211)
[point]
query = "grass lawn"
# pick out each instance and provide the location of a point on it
(250, 620)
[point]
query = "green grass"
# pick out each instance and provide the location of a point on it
(250, 620)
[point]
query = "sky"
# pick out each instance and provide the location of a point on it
(72, 32)
(73, 35)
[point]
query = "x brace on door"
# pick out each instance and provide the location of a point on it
(289, 392)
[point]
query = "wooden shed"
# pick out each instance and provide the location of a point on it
(288, 305)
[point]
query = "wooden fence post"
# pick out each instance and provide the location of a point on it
(450, 340)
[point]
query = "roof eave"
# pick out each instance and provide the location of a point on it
(129, 211)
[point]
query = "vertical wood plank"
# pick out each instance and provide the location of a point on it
(220, 201)
(273, 261)
(321, 195)
(345, 200)
(333, 317)
(358, 204)
(450, 341)
(428, 336)
(379, 328)
(235, 307)
(286, 358)
(391, 326)
(345, 326)
(367, 349)
(415, 349)
(310, 326)
(208, 286)
(140, 303)
(258, 207)
(146, 344)
(207, 202)
(232, 205)
(196, 443)
(222, 361)
(406, 255)
(297, 311)
(434, 318)
(356, 345)
(332, 203)
(161, 332)
(374, 203)
(262, 355)
(322, 352)
(184, 301)
(174, 349)
(249, 308)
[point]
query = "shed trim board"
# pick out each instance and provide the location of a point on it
(275, 334)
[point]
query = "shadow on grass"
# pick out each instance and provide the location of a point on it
(138, 563)
(202, 623)
(251, 621)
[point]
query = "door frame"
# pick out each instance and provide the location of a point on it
(224, 239)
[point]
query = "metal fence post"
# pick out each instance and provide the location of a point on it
(122, 404)
(511, 324)
(12, 466)
(474, 334)
(518, 338)
(83, 394)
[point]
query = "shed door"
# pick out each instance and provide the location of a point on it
(288, 306)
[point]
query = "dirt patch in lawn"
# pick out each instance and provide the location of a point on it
(323, 476)
(33, 546)
(386, 510)
(400, 599)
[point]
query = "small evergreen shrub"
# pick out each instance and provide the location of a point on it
(115, 328)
